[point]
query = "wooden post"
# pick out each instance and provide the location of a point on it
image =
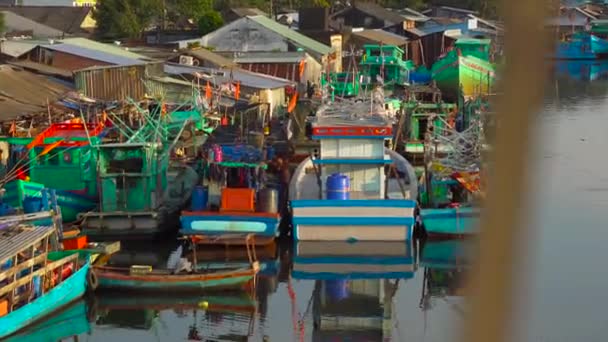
(194, 256)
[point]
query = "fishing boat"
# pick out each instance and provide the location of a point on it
(59, 158)
(581, 45)
(36, 279)
(69, 322)
(343, 84)
(180, 274)
(355, 188)
(384, 64)
(140, 191)
(466, 69)
(137, 197)
(236, 201)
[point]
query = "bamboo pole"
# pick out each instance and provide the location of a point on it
(492, 286)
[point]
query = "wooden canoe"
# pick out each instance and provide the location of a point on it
(121, 278)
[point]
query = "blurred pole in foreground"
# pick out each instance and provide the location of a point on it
(491, 290)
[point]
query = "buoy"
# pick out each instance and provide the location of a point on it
(92, 281)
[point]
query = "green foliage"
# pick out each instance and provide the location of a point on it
(125, 18)
(209, 22)
(191, 9)
(2, 24)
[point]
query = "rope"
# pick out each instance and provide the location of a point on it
(298, 324)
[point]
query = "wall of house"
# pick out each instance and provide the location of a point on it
(288, 71)
(62, 60)
(244, 35)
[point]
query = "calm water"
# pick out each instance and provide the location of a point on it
(561, 297)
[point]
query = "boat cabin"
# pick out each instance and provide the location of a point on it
(385, 62)
(343, 84)
(479, 48)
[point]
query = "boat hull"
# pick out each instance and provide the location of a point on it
(353, 220)
(164, 283)
(221, 223)
(61, 295)
(446, 254)
(70, 202)
(470, 74)
(451, 221)
(127, 225)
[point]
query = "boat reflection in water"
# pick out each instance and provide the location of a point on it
(354, 286)
(69, 322)
(222, 316)
(445, 264)
(585, 71)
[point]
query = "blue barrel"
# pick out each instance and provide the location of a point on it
(270, 152)
(336, 290)
(200, 198)
(6, 209)
(338, 187)
(32, 205)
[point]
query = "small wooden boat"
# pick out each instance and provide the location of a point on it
(145, 278)
(36, 281)
(125, 278)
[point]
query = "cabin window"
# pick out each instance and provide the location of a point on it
(67, 157)
(130, 165)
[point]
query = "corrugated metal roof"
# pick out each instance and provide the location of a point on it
(115, 82)
(294, 37)
(382, 36)
(93, 54)
(15, 240)
(16, 48)
(222, 76)
(210, 56)
(106, 48)
(15, 22)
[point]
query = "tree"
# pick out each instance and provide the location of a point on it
(191, 9)
(125, 18)
(209, 22)
(2, 24)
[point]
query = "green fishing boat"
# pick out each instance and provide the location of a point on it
(59, 158)
(343, 84)
(140, 190)
(385, 62)
(466, 69)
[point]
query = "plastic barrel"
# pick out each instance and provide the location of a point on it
(200, 198)
(338, 187)
(270, 152)
(268, 201)
(32, 205)
(336, 289)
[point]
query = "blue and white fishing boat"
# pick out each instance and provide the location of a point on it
(581, 45)
(356, 188)
(36, 281)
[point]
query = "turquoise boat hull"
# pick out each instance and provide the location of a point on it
(232, 223)
(70, 322)
(447, 254)
(71, 203)
(61, 295)
(184, 285)
(451, 221)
